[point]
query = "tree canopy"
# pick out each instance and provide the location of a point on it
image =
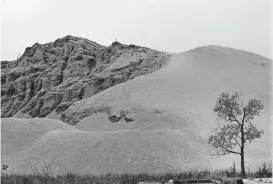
(239, 129)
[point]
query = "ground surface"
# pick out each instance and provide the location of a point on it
(154, 123)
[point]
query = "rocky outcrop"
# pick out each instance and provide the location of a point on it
(52, 76)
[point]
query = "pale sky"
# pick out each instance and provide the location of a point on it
(166, 25)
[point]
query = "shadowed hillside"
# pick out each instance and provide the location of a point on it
(49, 77)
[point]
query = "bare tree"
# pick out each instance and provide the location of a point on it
(233, 170)
(239, 129)
(44, 170)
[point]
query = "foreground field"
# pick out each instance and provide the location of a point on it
(71, 178)
(28, 143)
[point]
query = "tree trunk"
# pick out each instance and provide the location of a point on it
(242, 152)
(243, 163)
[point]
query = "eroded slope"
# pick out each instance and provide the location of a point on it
(49, 78)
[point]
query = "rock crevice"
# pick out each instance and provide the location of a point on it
(51, 77)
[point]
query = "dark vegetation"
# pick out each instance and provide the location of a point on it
(46, 176)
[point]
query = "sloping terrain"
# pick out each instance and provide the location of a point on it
(144, 123)
(19, 133)
(30, 144)
(48, 78)
(186, 90)
(100, 152)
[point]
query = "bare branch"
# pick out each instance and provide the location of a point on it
(232, 152)
(228, 107)
(237, 141)
(231, 133)
(235, 119)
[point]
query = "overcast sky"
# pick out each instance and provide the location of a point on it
(167, 25)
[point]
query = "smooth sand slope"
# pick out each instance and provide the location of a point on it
(115, 151)
(172, 112)
(98, 152)
(184, 92)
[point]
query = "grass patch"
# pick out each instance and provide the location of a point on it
(45, 175)
(111, 178)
